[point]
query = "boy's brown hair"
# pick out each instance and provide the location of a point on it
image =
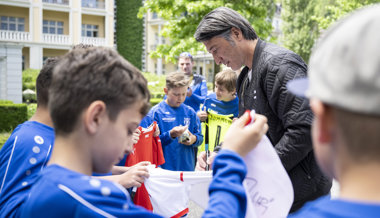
(43, 81)
(85, 75)
(227, 78)
(176, 79)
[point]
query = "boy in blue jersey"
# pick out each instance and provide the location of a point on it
(97, 99)
(197, 91)
(28, 149)
(344, 92)
(224, 101)
(175, 119)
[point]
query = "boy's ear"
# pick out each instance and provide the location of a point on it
(94, 115)
(324, 121)
(166, 90)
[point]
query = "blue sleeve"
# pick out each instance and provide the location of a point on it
(196, 130)
(227, 194)
(199, 98)
(166, 138)
(146, 121)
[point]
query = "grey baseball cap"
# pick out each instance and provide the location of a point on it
(344, 68)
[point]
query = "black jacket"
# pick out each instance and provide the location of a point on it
(289, 117)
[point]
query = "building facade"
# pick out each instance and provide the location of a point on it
(48, 28)
(203, 61)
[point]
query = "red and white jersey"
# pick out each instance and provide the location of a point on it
(267, 185)
(148, 148)
(170, 191)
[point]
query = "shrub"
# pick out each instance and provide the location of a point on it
(29, 77)
(6, 101)
(3, 138)
(11, 115)
(31, 110)
(156, 83)
(154, 101)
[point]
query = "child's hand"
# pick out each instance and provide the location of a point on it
(202, 114)
(136, 136)
(248, 136)
(135, 175)
(157, 131)
(191, 140)
(177, 131)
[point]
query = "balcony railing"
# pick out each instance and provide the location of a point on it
(56, 39)
(15, 36)
(93, 4)
(93, 41)
(61, 2)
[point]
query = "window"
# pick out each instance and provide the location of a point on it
(154, 15)
(90, 30)
(12, 23)
(52, 27)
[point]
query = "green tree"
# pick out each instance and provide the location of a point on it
(339, 9)
(129, 31)
(299, 28)
(304, 20)
(182, 18)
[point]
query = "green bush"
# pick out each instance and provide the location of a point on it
(29, 77)
(3, 138)
(11, 115)
(6, 101)
(154, 101)
(156, 83)
(31, 110)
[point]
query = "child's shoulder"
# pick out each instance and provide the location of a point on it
(76, 190)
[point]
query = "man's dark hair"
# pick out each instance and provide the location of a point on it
(86, 75)
(44, 80)
(219, 23)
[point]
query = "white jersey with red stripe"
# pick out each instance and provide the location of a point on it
(267, 185)
(170, 191)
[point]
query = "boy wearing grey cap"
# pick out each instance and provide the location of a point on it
(344, 92)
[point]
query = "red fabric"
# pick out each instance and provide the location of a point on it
(148, 148)
(182, 213)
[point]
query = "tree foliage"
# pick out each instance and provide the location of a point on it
(183, 16)
(304, 20)
(129, 31)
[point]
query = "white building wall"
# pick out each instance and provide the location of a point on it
(11, 72)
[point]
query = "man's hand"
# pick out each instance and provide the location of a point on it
(248, 136)
(177, 131)
(201, 161)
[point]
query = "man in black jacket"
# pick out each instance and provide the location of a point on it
(261, 85)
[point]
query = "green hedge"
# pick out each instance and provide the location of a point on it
(129, 31)
(29, 77)
(154, 101)
(11, 115)
(3, 138)
(6, 101)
